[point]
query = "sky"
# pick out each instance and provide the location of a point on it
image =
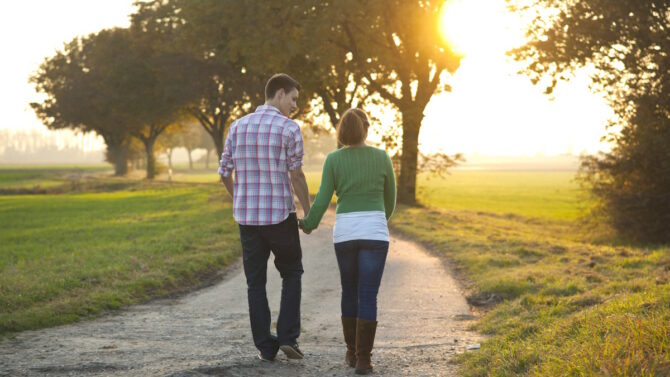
(491, 109)
(30, 31)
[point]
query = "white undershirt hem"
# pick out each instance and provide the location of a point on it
(363, 225)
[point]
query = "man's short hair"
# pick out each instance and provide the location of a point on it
(280, 81)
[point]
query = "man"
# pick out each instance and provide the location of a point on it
(264, 149)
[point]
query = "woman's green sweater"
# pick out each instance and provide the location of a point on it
(361, 177)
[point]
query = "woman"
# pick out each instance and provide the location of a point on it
(362, 177)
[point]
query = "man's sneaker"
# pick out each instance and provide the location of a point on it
(292, 351)
(263, 358)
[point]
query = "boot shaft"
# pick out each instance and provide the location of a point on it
(365, 339)
(349, 331)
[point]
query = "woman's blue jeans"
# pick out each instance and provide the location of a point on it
(361, 265)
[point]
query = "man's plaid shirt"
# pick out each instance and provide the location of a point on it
(262, 147)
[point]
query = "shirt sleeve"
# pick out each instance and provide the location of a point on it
(295, 150)
(226, 162)
(389, 188)
(322, 200)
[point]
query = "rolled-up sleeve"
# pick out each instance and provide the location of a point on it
(226, 162)
(295, 150)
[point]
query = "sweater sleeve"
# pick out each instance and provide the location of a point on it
(323, 197)
(389, 188)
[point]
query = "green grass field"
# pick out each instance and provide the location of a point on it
(553, 195)
(68, 256)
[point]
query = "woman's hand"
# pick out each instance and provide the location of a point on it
(301, 227)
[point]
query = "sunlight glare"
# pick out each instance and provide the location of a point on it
(492, 109)
(476, 27)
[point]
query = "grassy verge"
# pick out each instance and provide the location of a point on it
(553, 303)
(71, 256)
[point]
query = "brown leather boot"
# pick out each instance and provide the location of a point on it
(349, 330)
(365, 339)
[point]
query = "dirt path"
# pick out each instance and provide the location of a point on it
(206, 333)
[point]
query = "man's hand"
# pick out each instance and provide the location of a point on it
(229, 184)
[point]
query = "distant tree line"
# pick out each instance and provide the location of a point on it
(186, 63)
(32, 146)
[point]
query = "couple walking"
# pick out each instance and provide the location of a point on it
(265, 150)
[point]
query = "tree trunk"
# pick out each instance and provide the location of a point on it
(118, 155)
(190, 159)
(121, 162)
(169, 156)
(411, 124)
(218, 139)
(151, 159)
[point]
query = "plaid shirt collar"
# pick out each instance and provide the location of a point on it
(269, 108)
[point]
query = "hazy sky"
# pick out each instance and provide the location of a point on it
(31, 30)
(491, 111)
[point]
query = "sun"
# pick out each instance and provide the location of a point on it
(476, 27)
(454, 26)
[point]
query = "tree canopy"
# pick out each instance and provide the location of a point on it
(81, 82)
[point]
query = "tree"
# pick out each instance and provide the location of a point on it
(160, 86)
(224, 88)
(247, 42)
(342, 52)
(628, 43)
(293, 38)
(327, 74)
(397, 50)
(79, 84)
(117, 84)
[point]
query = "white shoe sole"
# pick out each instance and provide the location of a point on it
(261, 358)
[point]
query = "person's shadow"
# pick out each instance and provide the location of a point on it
(247, 366)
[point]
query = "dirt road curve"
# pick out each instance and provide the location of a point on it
(206, 333)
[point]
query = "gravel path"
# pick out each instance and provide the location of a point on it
(422, 321)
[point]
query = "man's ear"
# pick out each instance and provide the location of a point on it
(280, 93)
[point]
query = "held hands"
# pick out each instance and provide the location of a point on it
(301, 227)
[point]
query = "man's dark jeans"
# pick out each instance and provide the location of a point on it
(361, 265)
(283, 241)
